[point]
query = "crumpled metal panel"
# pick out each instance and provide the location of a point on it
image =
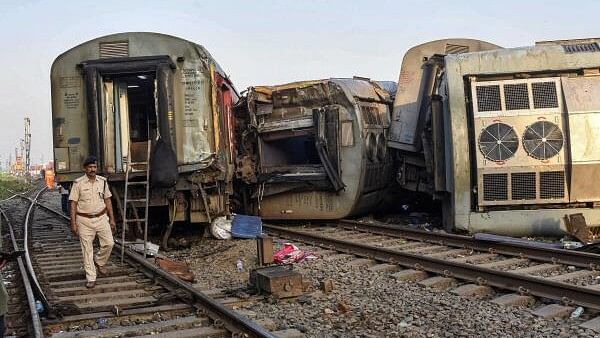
(362, 88)
(406, 119)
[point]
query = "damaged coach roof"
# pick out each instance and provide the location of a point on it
(130, 44)
(354, 87)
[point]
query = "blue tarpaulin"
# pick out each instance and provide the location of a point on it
(244, 226)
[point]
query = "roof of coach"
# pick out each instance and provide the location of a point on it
(353, 87)
(143, 35)
(541, 57)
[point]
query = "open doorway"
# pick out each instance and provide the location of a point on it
(132, 122)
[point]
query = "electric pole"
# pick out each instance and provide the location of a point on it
(27, 145)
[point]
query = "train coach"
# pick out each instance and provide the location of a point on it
(315, 149)
(138, 99)
(506, 139)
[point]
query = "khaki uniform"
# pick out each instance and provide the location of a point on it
(90, 196)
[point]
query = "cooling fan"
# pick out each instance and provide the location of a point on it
(498, 142)
(542, 140)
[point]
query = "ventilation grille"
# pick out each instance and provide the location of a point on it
(495, 187)
(542, 140)
(488, 98)
(582, 48)
(511, 95)
(523, 186)
(544, 95)
(456, 49)
(498, 142)
(371, 115)
(552, 185)
(516, 96)
(114, 49)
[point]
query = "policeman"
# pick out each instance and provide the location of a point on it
(91, 215)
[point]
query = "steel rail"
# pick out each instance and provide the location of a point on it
(231, 320)
(36, 283)
(35, 318)
(506, 280)
(575, 258)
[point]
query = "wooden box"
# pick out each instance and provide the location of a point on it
(280, 281)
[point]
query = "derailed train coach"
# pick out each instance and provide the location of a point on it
(315, 149)
(506, 139)
(118, 95)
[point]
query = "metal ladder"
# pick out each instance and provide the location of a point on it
(126, 199)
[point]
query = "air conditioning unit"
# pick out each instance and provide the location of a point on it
(520, 142)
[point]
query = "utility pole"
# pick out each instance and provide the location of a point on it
(27, 145)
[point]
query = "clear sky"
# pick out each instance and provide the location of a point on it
(261, 42)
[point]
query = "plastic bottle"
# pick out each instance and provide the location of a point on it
(39, 307)
(102, 322)
(239, 265)
(577, 312)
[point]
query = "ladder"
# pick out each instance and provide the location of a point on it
(144, 182)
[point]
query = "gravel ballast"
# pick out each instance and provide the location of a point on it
(365, 303)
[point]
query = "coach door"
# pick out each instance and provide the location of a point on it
(129, 104)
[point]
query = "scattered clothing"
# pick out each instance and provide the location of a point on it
(291, 254)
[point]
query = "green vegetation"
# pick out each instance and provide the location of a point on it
(10, 183)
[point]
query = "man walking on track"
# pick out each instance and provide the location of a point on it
(91, 215)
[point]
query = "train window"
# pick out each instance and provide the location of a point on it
(297, 150)
(347, 135)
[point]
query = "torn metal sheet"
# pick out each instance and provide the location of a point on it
(577, 226)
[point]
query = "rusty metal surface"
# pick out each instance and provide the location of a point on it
(512, 281)
(577, 226)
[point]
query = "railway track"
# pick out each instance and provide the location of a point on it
(135, 299)
(571, 278)
(22, 318)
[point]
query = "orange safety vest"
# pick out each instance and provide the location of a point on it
(49, 178)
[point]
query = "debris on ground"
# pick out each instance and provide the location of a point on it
(578, 228)
(291, 254)
(570, 245)
(220, 228)
(151, 248)
(507, 239)
(247, 227)
(180, 269)
(279, 281)
(327, 285)
(591, 248)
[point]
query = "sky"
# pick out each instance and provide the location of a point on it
(260, 42)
